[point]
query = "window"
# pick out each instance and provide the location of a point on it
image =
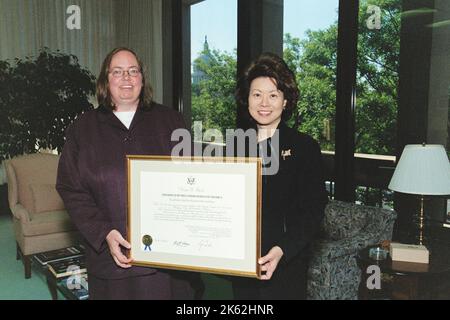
(377, 77)
(213, 61)
(310, 47)
(377, 80)
(364, 93)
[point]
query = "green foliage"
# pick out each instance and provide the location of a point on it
(40, 97)
(6, 126)
(213, 97)
(375, 197)
(378, 70)
(314, 60)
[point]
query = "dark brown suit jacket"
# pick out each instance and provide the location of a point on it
(92, 178)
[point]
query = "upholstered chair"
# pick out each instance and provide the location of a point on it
(39, 218)
(347, 227)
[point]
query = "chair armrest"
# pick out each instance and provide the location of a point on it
(343, 247)
(20, 213)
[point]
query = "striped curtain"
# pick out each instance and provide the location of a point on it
(26, 26)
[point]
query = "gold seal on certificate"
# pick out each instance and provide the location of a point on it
(147, 241)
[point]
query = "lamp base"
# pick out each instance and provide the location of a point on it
(412, 233)
(421, 237)
(421, 222)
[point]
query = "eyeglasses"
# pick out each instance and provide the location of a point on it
(119, 73)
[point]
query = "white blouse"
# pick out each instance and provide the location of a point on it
(125, 117)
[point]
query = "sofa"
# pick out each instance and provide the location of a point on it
(347, 227)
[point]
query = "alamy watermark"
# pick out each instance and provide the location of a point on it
(374, 20)
(73, 22)
(74, 281)
(237, 143)
(374, 280)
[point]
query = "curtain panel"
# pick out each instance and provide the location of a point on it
(26, 26)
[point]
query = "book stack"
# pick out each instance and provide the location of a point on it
(68, 266)
(60, 254)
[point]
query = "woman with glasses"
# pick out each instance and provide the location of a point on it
(293, 197)
(92, 179)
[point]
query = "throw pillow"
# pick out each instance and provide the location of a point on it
(45, 198)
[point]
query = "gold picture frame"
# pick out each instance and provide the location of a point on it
(200, 214)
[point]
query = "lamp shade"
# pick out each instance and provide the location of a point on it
(422, 169)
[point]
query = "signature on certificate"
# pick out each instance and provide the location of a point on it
(203, 244)
(181, 244)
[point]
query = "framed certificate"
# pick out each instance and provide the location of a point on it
(195, 214)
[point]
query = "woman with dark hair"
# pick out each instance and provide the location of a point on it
(92, 179)
(294, 198)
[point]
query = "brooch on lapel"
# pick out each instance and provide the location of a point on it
(286, 153)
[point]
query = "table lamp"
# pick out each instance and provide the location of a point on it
(423, 170)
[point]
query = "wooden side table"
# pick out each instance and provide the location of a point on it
(405, 280)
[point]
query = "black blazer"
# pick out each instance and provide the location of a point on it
(294, 199)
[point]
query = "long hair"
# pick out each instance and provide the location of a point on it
(272, 66)
(103, 93)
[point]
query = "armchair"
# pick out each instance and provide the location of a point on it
(39, 218)
(347, 227)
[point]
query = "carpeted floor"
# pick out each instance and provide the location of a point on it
(13, 285)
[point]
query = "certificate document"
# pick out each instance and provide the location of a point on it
(198, 214)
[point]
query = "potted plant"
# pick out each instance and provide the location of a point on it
(45, 94)
(39, 97)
